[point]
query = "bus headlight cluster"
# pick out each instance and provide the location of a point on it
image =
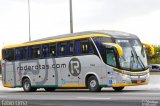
(147, 76)
(126, 78)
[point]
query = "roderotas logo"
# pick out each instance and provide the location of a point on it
(75, 67)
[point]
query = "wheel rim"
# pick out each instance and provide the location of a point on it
(26, 85)
(93, 83)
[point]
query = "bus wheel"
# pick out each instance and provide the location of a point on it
(118, 89)
(49, 89)
(93, 84)
(27, 86)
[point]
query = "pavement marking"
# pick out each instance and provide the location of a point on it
(93, 98)
(140, 93)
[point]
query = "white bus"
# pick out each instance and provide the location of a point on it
(91, 59)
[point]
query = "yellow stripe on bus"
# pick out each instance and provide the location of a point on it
(8, 85)
(119, 48)
(72, 85)
(56, 40)
(124, 84)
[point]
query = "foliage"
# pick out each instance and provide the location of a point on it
(155, 59)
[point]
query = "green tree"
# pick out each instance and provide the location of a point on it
(155, 59)
(157, 49)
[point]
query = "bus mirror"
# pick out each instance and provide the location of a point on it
(118, 48)
(150, 47)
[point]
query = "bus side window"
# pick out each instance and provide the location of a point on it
(9, 54)
(24, 53)
(20, 53)
(17, 54)
(61, 49)
(92, 49)
(30, 52)
(77, 50)
(52, 50)
(45, 51)
(69, 48)
(84, 46)
(111, 57)
(36, 51)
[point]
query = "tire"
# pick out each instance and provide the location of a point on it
(49, 89)
(118, 89)
(27, 86)
(93, 84)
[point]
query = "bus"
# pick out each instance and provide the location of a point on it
(90, 60)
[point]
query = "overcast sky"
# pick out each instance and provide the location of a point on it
(51, 17)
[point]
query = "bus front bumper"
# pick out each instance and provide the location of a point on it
(133, 84)
(131, 80)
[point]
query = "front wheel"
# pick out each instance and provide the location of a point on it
(27, 85)
(93, 84)
(118, 89)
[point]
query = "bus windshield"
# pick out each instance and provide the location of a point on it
(134, 56)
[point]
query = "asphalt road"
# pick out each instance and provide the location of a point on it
(129, 97)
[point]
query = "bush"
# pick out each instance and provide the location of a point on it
(154, 59)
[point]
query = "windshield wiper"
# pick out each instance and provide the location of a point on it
(141, 62)
(139, 59)
(131, 60)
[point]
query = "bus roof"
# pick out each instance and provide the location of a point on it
(78, 35)
(114, 34)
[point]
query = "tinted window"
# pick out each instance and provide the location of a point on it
(34, 52)
(30, 52)
(70, 48)
(52, 50)
(21, 53)
(8, 54)
(155, 67)
(77, 49)
(61, 49)
(84, 46)
(98, 42)
(110, 57)
(102, 39)
(45, 51)
(91, 47)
